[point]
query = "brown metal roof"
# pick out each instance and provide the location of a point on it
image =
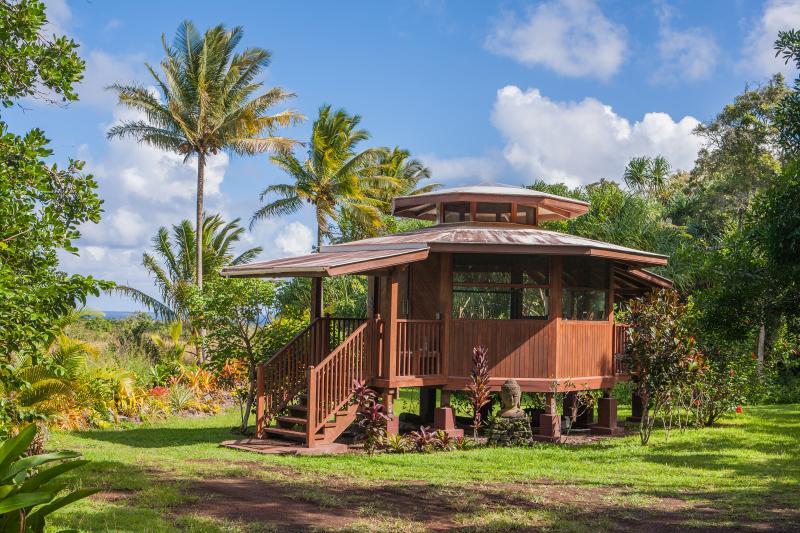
(501, 238)
(330, 263)
(551, 206)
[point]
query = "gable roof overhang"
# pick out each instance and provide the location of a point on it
(329, 263)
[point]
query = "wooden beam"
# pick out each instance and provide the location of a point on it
(390, 328)
(316, 298)
(445, 305)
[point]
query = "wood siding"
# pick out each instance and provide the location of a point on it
(517, 348)
(584, 349)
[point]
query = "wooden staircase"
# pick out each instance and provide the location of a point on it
(294, 425)
(306, 387)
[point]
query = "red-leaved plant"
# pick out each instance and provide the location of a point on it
(478, 388)
(370, 418)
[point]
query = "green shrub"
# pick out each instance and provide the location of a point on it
(27, 495)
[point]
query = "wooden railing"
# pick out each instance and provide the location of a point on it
(419, 348)
(330, 383)
(620, 349)
(283, 376)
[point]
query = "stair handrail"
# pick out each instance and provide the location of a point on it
(281, 378)
(330, 382)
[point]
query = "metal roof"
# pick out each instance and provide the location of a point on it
(333, 263)
(501, 238)
(469, 237)
(550, 206)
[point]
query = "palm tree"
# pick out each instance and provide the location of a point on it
(174, 269)
(207, 103)
(334, 176)
(402, 175)
(647, 175)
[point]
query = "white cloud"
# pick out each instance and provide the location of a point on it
(759, 53)
(102, 70)
(571, 37)
(686, 54)
(458, 169)
(294, 239)
(580, 142)
(59, 17)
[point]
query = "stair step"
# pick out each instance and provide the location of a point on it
(292, 420)
(291, 434)
(298, 409)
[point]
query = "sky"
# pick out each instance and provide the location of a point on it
(504, 92)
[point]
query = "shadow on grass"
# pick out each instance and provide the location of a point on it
(161, 437)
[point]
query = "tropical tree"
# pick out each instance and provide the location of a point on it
(335, 175)
(172, 264)
(647, 175)
(208, 101)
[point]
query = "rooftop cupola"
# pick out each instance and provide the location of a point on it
(488, 203)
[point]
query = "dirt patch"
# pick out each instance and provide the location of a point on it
(295, 504)
(251, 500)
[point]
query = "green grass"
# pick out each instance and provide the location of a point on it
(745, 471)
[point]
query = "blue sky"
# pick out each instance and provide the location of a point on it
(481, 91)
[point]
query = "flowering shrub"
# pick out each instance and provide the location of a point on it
(158, 392)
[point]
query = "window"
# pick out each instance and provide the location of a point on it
(491, 212)
(584, 294)
(500, 286)
(457, 212)
(526, 215)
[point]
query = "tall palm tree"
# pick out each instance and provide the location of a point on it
(402, 174)
(173, 264)
(208, 101)
(335, 175)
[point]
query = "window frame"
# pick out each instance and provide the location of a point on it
(515, 287)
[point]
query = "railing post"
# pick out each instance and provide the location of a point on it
(261, 405)
(311, 408)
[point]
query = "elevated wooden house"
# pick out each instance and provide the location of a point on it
(484, 273)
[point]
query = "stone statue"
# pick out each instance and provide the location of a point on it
(510, 395)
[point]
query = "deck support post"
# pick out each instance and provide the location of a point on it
(637, 409)
(427, 404)
(444, 400)
(445, 420)
(570, 406)
(549, 421)
(393, 424)
(607, 416)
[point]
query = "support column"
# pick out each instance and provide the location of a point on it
(393, 424)
(607, 416)
(316, 298)
(637, 408)
(549, 421)
(570, 406)
(427, 404)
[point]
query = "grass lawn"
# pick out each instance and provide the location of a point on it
(743, 474)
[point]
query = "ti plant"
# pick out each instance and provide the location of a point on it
(27, 495)
(370, 417)
(478, 389)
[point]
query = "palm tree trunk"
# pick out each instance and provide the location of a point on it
(198, 232)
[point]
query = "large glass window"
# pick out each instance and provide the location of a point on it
(584, 283)
(500, 286)
(457, 212)
(526, 215)
(492, 212)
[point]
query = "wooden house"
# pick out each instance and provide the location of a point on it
(483, 273)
